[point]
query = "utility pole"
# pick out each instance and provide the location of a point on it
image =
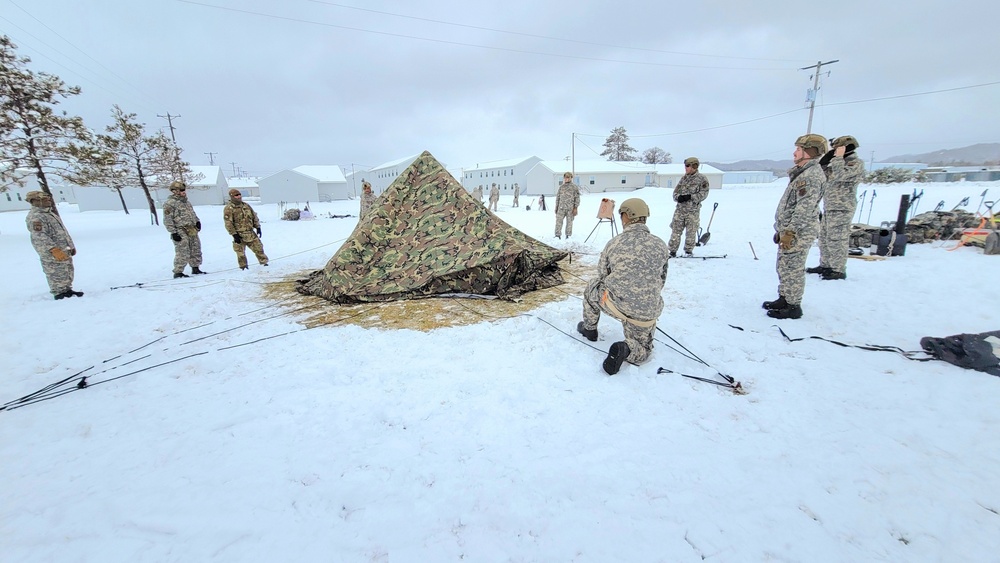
(812, 93)
(211, 161)
(572, 154)
(234, 168)
(177, 152)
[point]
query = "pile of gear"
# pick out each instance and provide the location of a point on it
(926, 227)
(291, 214)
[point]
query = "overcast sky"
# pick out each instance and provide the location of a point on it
(271, 85)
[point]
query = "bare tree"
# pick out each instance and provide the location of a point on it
(616, 146)
(656, 155)
(34, 138)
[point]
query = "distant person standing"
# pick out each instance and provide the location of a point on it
(494, 197)
(629, 284)
(183, 225)
(243, 225)
(541, 202)
(690, 191)
(844, 171)
(795, 226)
(478, 193)
(367, 199)
(517, 192)
(53, 244)
(567, 205)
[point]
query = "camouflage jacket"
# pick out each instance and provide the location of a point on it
(843, 174)
(567, 198)
(240, 218)
(695, 185)
(367, 200)
(798, 209)
(47, 230)
(633, 269)
(178, 214)
(494, 194)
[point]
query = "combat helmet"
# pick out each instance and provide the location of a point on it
(845, 141)
(634, 208)
(691, 161)
(178, 186)
(36, 195)
(812, 141)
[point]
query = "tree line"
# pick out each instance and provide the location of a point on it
(616, 148)
(38, 140)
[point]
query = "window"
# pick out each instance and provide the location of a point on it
(623, 178)
(505, 172)
(19, 196)
(8, 196)
(592, 180)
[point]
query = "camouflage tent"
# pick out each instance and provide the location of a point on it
(427, 236)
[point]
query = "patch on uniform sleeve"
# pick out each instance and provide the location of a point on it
(36, 226)
(802, 191)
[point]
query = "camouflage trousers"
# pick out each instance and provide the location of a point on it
(638, 338)
(187, 250)
(685, 219)
(568, 216)
(58, 273)
(792, 273)
(515, 199)
(493, 204)
(252, 241)
(834, 239)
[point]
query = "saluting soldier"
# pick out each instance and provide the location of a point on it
(53, 244)
(630, 277)
(844, 171)
(795, 226)
(567, 205)
(690, 191)
(183, 225)
(243, 224)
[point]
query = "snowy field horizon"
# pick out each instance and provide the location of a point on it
(218, 426)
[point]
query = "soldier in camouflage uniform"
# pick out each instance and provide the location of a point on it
(630, 277)
(478, 193)
(517, 192)
(567, 204)
(690, 191)
(183, 225)
(53, 244)
(844, 171)
(795, 226)
(494, 197)
(367, 199)
(243, 224)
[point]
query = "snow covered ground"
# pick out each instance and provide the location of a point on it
(504, 440)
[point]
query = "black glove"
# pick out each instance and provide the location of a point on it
(258, 232)
(826, 158)
(198, 225)
(176, 236)
(683, 197)
(72, 252)
(777, 238)
(237, 238)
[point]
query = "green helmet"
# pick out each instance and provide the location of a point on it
(634, 208)
(36, 195)
(692, 161)
(812, 141)
(177, 186)
(845, 141)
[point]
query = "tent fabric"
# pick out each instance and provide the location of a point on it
(427, 236)
(974, 351)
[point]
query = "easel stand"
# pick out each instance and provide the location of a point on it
(614, 227)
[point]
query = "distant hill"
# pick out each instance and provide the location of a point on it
(974, 155)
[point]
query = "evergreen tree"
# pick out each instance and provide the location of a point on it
(125, 156)
(616, 147)
(656, 155)
(34, 138)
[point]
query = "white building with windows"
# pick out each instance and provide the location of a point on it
(600, 176)
(12, 198)
(384, 174)
(503, 173)
(304, 184)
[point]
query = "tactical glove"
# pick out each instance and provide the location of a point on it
(198, 225)
(683, 197)
(827, 158)
(59, 254)
(777, 238)
(72, 252)
(237, 238)
(786, 240)
(258, 232)
(176, 236)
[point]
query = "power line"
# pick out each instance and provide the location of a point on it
(532, 35)
(459, 43)
(911, 95)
